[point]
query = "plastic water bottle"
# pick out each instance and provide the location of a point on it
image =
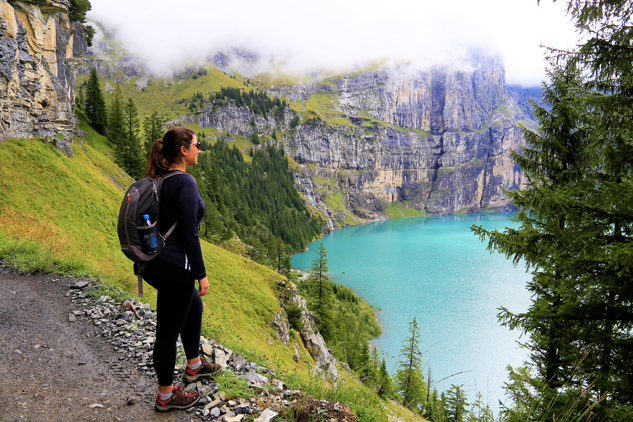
(151, 242)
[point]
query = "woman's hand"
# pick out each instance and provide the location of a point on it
(203, 288)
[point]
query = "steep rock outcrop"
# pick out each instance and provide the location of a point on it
(325, 362)
(437, 139)
(39, 50)
(241, 120)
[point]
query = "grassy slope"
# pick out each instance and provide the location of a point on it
(59, 213)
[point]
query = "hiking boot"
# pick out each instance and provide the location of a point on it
(206, 370)
(180, 399)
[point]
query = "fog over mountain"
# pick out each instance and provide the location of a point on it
(333, 34)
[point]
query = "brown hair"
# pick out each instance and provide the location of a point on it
(165, 151)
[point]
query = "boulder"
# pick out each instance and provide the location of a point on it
(280, 323)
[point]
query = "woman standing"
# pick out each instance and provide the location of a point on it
(174, 271)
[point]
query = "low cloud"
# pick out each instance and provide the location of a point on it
(343, 34)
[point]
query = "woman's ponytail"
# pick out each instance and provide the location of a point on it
(156, 163)
(165, 151)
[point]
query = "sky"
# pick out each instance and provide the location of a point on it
(308, 36)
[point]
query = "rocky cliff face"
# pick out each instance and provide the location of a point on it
(437, 140)
(39, 50)
(424, 141)
(434, 141)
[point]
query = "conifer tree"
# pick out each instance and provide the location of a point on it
(479, 411)
(152, 130)
(575, 229)
(95, 106)
(255, 138)
(132, 157)
(456, 404)
(384, 381)
(320, 293)
(365, 365)
(409, 377)
(81, 98)
(116, 127)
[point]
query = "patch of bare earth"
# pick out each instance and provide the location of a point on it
(56, 370)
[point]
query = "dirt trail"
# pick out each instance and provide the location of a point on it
(56, 370)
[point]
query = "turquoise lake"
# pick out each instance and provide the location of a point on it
(436, 270)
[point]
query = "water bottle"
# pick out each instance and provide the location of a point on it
(151, 241)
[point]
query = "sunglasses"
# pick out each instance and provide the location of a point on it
(197, 145)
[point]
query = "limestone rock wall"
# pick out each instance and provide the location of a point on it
(39, 54)
(444, 148)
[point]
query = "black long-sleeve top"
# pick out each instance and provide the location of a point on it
(180, 201)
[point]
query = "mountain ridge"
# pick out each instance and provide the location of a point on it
(389, 140)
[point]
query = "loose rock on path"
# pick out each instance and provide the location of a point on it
(68, 357)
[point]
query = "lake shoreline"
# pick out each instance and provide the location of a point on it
(433, 268)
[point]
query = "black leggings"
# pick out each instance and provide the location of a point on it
(179, 311)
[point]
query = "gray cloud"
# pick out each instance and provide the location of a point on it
(333, 34)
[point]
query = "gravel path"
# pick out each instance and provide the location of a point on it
(56, 370)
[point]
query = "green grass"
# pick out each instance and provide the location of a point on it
(59, 214)
(323, 105)
(403, 209)
(163, 99)
(330, 181)
(334, 200)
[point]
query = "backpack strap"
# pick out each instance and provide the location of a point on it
(169, 232)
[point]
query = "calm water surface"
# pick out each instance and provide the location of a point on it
(436, 270)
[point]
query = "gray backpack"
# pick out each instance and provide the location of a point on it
(140, 239)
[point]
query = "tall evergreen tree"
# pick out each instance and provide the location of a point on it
(384, 381)
(321, 295)
(255, 138)
(81, 98)
(575, 230)
(409, 377)
(116, 126)
(132, 156)
(152, 130)
(456, 404)
(480, 412)
(95, 106)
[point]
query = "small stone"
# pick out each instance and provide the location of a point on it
(266, 416)
(72, 318)
(121, 322)
(79, 285)
(236, 418)
(96, 406)
(18, 352)
(243, 409)
(221, 358)
(232, 403)
(239, 362)
(207, 349)
(280, 385)
(207, 390)
(215, 412)
(256, 379)
(213, 404)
